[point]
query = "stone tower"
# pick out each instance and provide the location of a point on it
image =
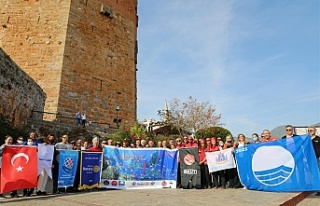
(82, 53)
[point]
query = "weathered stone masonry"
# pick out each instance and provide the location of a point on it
(84, 59)
(19, 94)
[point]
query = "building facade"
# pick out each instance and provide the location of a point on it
(82, 53)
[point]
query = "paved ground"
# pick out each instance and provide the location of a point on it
(311, 200)
(155, 197)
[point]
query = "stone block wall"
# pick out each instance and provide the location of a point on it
(33, 34)
(19, 93)
(99, 67)
(84, 59)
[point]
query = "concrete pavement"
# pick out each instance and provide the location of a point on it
(160, 197)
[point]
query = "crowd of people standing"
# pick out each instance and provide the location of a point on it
(221, 179)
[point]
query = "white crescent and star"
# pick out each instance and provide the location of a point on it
(19, 168)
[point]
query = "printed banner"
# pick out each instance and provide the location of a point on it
(220, 160)
(133, 168)
(190, 169)
(19, 168)
(91, 163)
(287, 165)
(45, 157)
(67, 167)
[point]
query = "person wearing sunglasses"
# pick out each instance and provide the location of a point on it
(289, 132)
(316, 145)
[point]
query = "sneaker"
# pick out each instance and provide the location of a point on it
(2, 196)
(317, 194)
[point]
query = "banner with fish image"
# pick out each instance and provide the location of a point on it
(67, 167)
(134, 168)
(90, 172)
(286, 165)
(220, 160)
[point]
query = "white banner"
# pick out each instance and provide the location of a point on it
(45, 157)
(220, 160)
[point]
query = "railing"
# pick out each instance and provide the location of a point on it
(56, 117)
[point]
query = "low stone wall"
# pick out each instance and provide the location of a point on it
(19, 93)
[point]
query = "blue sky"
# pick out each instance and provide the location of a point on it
(257, 61)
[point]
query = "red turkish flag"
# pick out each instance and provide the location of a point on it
(19, 168)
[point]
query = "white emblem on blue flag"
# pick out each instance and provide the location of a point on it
(272, 165)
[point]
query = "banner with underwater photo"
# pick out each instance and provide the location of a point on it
(90, 170)
(286, 165)
(134, 168)
(68, 167)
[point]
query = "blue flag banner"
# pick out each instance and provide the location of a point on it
(67, 167)
(132, 168)
(91, 163)
(287, 165)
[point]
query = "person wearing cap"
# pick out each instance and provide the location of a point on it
(205, 178)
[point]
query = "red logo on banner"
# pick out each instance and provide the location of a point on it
(19, 168)
(189, 159)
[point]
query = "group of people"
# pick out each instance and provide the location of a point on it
(50, 139)
(221, 179)
(81, 119)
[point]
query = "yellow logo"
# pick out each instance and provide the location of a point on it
(96, 168)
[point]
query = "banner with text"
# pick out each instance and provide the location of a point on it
(67, 167)
(91, 163)
(45, 158)
(189, 168)
(287, 165)
(133, 168)
(220, 160)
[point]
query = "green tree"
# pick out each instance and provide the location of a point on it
(138, 131)
(213, 132)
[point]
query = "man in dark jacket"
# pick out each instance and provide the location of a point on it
(316, 145)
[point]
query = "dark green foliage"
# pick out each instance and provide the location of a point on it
(213, 132)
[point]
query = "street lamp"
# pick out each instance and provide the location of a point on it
(117, 120)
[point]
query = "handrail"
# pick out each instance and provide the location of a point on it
(72, 118)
